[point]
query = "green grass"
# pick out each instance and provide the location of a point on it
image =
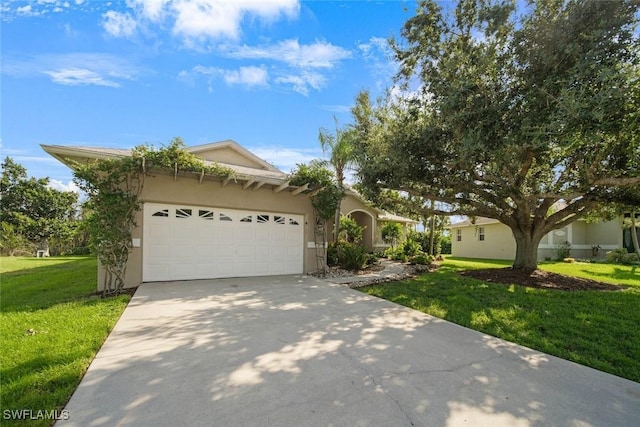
(597, 329)
(53, 297)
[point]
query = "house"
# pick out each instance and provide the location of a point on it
(489, 238)
(197, 227)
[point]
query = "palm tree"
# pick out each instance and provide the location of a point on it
(340, 148)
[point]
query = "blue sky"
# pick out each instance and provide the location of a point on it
(267, 74)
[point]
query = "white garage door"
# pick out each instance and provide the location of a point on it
(190, 242)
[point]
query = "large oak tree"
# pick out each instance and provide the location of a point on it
(528, 114)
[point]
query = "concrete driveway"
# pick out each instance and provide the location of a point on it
(298, 351)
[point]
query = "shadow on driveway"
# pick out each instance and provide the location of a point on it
(296, 350)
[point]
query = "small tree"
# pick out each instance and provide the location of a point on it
(326, 194)
(340, 148)
(113, 187)
(391, 233)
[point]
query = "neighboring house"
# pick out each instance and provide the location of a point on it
(196, 227)
(488, 238)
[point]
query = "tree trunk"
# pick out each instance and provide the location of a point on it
(526, 250)
(336, 224)
(634, 234)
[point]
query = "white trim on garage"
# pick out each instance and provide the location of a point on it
(182, 242)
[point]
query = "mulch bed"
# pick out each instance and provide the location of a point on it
(539, 279)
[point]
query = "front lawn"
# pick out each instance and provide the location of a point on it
(51, 325)
(594, 328)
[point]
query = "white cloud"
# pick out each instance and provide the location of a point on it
(285, 159)
(196, 21)
(378, 56)
(61, 186)
(26, 10)
(118, 24)
(79, 77)
(245, 76)
(153, 10)
(337, 108)
(74, 68)
(320, 54)
(221, 19)
(304, 81)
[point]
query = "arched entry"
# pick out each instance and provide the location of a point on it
(364, 219)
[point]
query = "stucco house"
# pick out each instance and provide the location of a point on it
(488, 238)
(193, 226)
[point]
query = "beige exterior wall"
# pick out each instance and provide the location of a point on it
(498, 242)
(581, 235)
(186, 190)
(364, 216)
(230, 156)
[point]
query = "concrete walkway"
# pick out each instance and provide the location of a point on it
(300, 351)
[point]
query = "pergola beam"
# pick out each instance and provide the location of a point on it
(300, 189)
(248, 184)
(281, 187)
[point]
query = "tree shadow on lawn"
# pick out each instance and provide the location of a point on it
(618, 274)
(576, 325)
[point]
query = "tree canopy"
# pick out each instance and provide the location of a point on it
(32, 209)
(528, 114)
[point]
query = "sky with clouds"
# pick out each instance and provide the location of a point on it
(267, 74)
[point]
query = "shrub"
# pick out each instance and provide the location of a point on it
(350, 230)
(351, 256)
(621, 256)
(563, 251)
(411, 248)
(396, 254)
(422, 259)
(332, 254)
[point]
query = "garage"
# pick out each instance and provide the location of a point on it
(182, 242)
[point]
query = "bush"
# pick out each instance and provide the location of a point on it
(396, 254)
(411, 248)
(422, 259)
(563, 251)
(332, 254)
(351, 256)
(350, 230)
(621, 256)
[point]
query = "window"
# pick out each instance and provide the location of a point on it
(248, 218)
(263, 219)
(481, 234)
(278, 219)
(459, 235)
(206, 214)
(224, 217)
(183, 213)
(162, 213)
(293, 222)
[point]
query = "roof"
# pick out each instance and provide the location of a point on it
(66, 154)
(252, 177)
(472, 223)
(386, 216)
